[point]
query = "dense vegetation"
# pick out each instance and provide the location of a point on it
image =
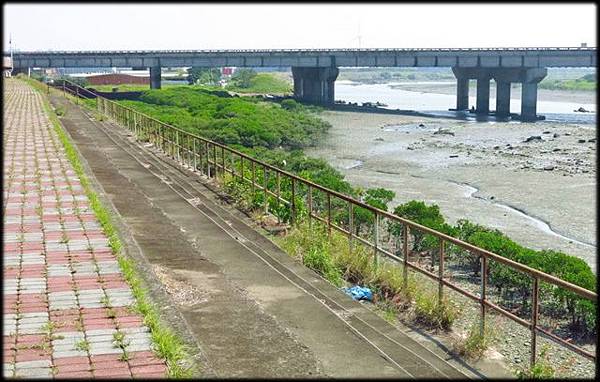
(204, 76)
(587, 82)
(261, 83)
(232, 120)
(131, 87)
(510, 284)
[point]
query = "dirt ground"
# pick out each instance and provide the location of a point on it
(536, 182)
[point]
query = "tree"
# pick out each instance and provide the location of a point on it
(242, 78)
(204, 76)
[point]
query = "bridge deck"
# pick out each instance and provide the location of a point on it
(425, 57)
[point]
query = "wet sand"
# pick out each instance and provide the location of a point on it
(540, 193)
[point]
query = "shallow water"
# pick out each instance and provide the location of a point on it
(438, 104)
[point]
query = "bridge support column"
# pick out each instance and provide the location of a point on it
(502, 98)
(462, 88)
(483, 95)
(315, 85)
(531, 78)
(462, 93)
(155, 77)
(529, 101)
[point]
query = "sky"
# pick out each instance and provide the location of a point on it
(260, 26)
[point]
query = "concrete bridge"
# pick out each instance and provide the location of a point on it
(315, 70)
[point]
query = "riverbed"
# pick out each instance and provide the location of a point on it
(536, 182)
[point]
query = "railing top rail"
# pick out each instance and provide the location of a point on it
(490, 255)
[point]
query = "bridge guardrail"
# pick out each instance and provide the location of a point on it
(320, 50)
(211, 158)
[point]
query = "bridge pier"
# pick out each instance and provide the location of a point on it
(528, 77)
(462, 93)
(315, 84)
(502, 98)
(483, 94)
(529, 101)
(155, 77)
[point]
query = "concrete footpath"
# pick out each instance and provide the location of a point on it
(252, 309)
(64, 296)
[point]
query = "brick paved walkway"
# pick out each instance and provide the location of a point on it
(66, 303)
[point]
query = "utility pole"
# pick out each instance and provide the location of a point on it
(12, 65)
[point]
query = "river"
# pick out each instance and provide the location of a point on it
(397, 97)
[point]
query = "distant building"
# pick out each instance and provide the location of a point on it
(117, 79)
(7, 66)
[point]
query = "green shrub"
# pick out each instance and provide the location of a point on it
(290, 104)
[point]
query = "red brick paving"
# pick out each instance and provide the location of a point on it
(44, 204)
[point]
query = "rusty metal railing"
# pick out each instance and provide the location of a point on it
(213, 159)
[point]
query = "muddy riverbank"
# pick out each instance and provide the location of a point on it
(534, 181)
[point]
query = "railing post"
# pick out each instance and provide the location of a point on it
(265, 184)
(278, 196)
(135, 126)
(207, 152)
(350, 224)
(178, 146)
(375, 238)
(441, 272)
(405, 250)
(77, 95)
(223, 161)
(216, 169)
(293, 202)
(242, 168)
(195, 154)
(328, 215)
(534, 319)
(483, 293)
(310, 205)
(253, 178)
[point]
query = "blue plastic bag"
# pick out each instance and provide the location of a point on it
(359, 293)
